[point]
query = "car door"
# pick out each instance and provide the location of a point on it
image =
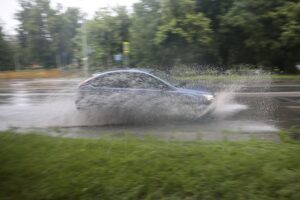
(109, 90)
(129, 90)
(148, 92)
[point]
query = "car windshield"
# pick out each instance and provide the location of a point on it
(166, 77)
(141, 80)
(128, 80)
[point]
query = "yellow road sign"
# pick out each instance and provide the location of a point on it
(126, 48)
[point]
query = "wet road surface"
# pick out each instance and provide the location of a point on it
(241, 112)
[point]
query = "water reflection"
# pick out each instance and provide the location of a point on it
(53, 111)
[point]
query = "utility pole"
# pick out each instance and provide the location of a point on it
(58, 61)
(13, 41)
(16, 61)
(85, 50)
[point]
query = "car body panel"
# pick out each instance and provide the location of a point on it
(135, 91)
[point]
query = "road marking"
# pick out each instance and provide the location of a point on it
(248, 94)
(268, 94)
(293, 107)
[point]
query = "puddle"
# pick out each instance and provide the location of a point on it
(52, 109)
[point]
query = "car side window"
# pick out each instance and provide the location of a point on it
(128, 80)
(114, 80)
(143, 81)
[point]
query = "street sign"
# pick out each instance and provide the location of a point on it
(118, 57)
(126, 48)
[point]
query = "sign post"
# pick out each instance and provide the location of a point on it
(126, 51)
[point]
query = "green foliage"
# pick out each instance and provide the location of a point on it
(34, 33)
(39, 167)
(181, 21)
(144, 25)
(183, 31)
(261, 29)
(105, 34)
(45, 33)
(164, 33)
(63, 27)
(6, 53)
(225, 33)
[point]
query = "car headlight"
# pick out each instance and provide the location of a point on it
(209, 97)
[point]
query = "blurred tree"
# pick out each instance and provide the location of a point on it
(64, 26)
(34, 33)
(184, 33)
(262, 32)
(45, 34)
(164, 33)
(105, 34)
(144, 26)
(6, 53)
(214, 10)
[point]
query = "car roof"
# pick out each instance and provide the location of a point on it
(123, 70)
(142, 71)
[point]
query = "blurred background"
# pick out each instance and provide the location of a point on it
(87, 36)
(247, 52)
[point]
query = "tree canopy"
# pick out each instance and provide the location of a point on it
(161, 33)
(6, 53)
(45, 34)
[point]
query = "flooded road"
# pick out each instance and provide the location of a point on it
(240, 112)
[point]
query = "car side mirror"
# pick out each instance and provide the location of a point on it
(164, 87)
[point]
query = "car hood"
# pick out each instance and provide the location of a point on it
(199, 91)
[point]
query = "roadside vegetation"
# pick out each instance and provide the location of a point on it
(42, 167)
(56, 73)
(240, 77)
(157, 33)
(285, 77)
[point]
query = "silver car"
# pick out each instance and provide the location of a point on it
(137, 89)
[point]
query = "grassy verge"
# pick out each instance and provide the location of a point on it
(55, 73)
(240, 78)
(286, 77)
(41, 167)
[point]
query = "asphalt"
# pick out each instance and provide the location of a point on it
(243, 111)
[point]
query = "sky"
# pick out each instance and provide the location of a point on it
(9, 7)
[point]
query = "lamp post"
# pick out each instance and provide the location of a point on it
(85, 58)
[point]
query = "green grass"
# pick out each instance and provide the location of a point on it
(41, 167)
(286, 77)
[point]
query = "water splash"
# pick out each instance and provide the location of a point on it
(58, 110)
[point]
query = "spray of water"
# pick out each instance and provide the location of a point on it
(60, 110)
